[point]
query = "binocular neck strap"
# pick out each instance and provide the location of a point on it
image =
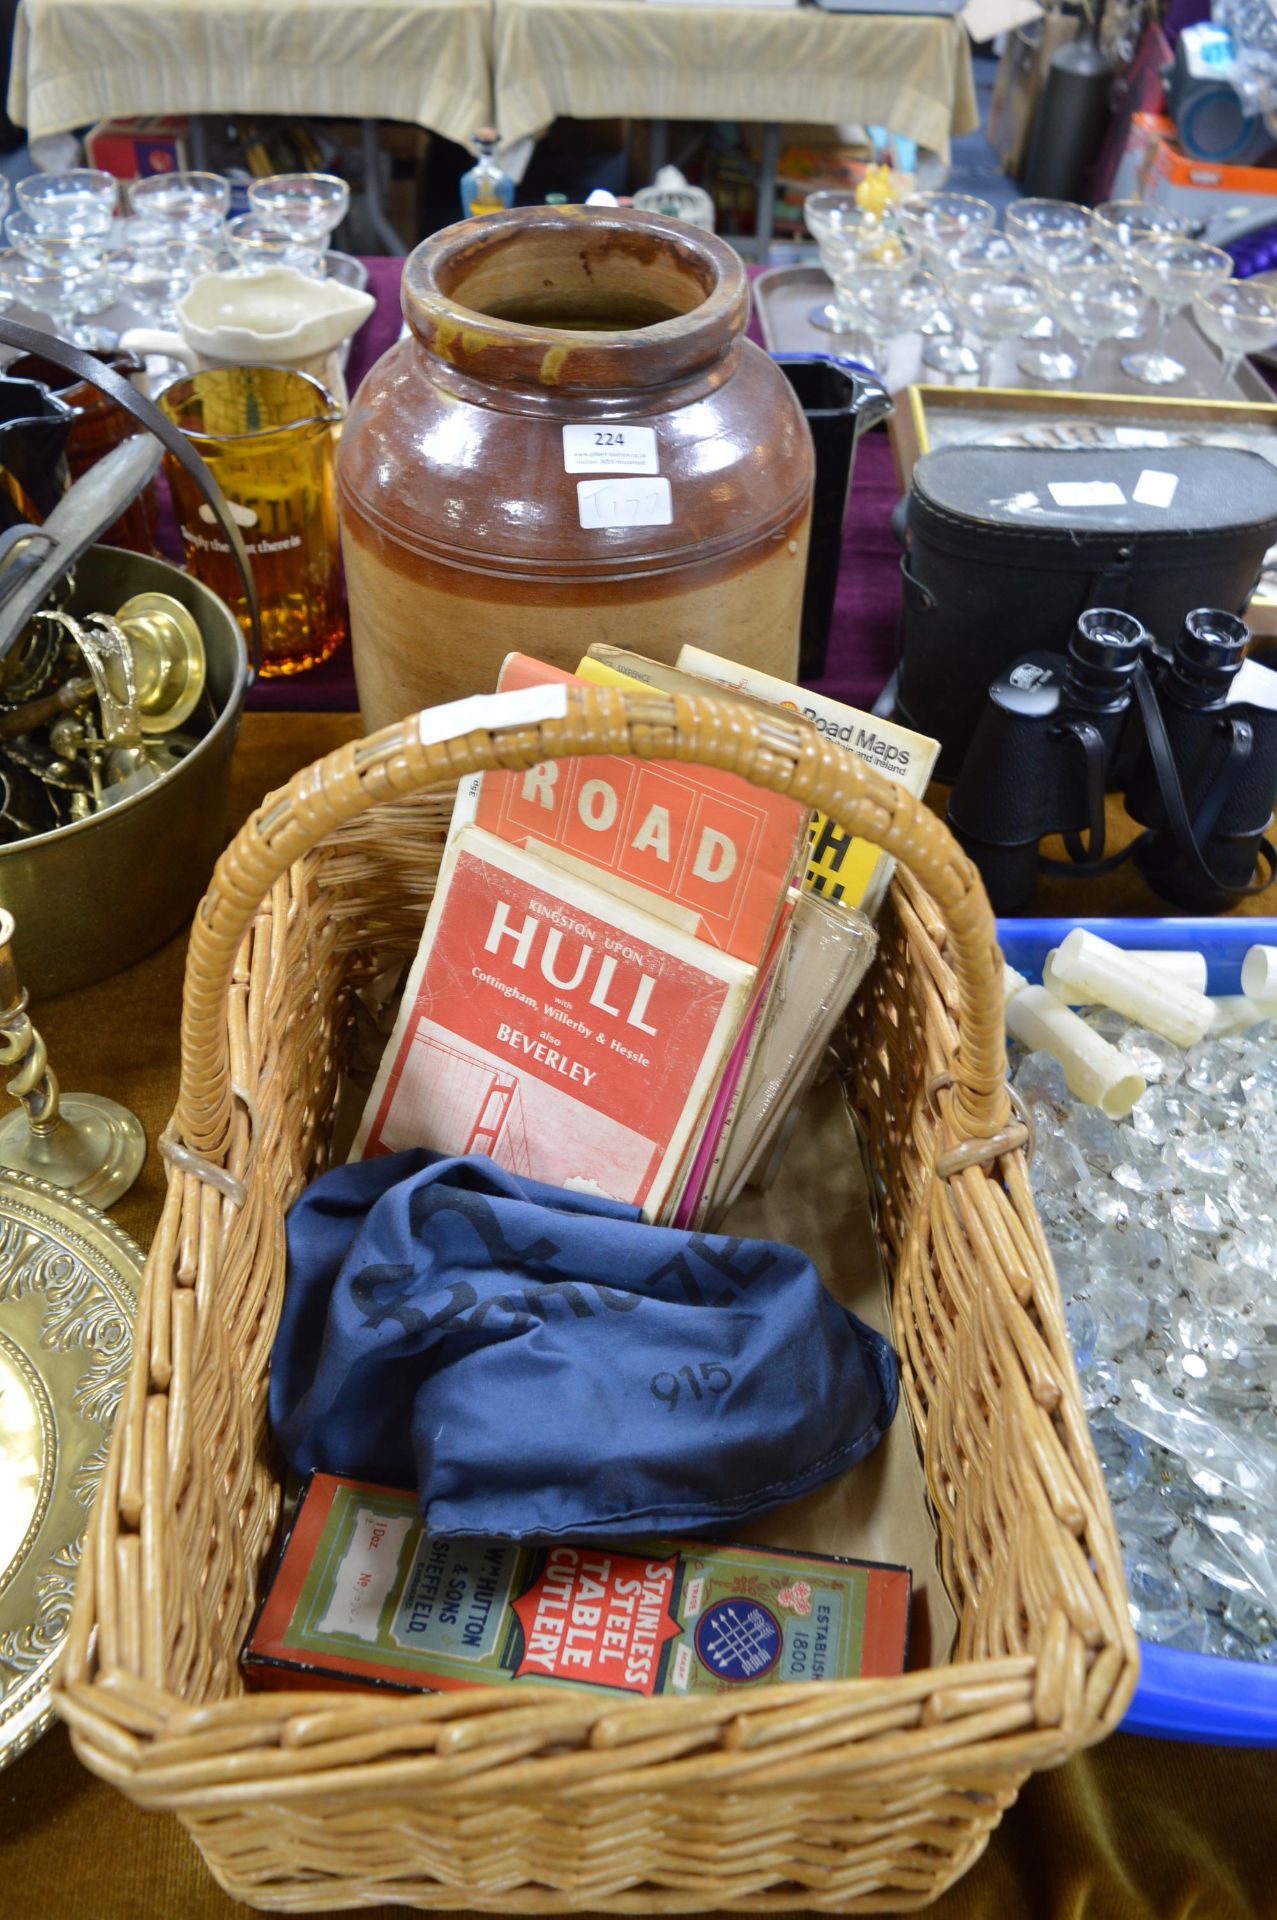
(1184, 831)
(1092, 746)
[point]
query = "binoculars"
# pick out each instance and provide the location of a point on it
(1188, 737)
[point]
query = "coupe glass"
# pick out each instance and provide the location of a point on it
(1042, 228)
(53, 292)
(943, 224)
(887, 296)
(141, 230)
(75, 261)
(95, 294)
(1120, 223)
(79, 201)
(886, 252)
(256, 246)
(980, 248)
(1095, 254)
(306, 206)
(1172, 273)
(985, 250)
(194, 204)
(1098, 302)
(1239, 317)
(996, 303)
(73, 253)
(153, 279)
(1048, 234)
(841, 228)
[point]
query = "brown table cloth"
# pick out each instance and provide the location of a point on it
(1134, 1830)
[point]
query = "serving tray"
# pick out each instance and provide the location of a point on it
(784, 296)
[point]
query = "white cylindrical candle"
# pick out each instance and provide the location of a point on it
(1093, 1070)
(1102, 972)
(1259, 973)
(1188, 968)
(1012, 982)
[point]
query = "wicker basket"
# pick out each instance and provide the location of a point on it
(851, 1797)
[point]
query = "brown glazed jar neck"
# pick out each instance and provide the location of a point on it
(560, 300)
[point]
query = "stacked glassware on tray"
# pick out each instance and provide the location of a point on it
(935, 264)
(81, 243)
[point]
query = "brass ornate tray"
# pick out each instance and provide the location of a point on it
(68, 1290)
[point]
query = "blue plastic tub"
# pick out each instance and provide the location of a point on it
(1181, 1696)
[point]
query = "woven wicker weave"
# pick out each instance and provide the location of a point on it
(855, 1796)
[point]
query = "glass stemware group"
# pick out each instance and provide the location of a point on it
(73, 253)
(57, 246)
(935, 265)
(841, 227)
(947, 226)
(1049, 235)
(1059, 277)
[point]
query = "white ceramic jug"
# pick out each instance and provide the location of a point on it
(279, 318)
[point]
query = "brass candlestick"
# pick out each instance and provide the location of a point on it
(82, 1142)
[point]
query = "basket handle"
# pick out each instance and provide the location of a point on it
(443, 744)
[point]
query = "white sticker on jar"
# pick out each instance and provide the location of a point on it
(624, 503)
(609, 450)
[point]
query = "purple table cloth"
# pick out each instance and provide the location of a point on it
(862, 639)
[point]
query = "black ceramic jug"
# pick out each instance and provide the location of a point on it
(34, 428)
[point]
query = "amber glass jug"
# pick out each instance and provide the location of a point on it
(575, 442)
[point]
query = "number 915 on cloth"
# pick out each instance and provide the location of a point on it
(690, 1385)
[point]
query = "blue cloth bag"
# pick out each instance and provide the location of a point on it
(543, 1363)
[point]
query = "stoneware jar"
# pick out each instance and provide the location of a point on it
(574, 443)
